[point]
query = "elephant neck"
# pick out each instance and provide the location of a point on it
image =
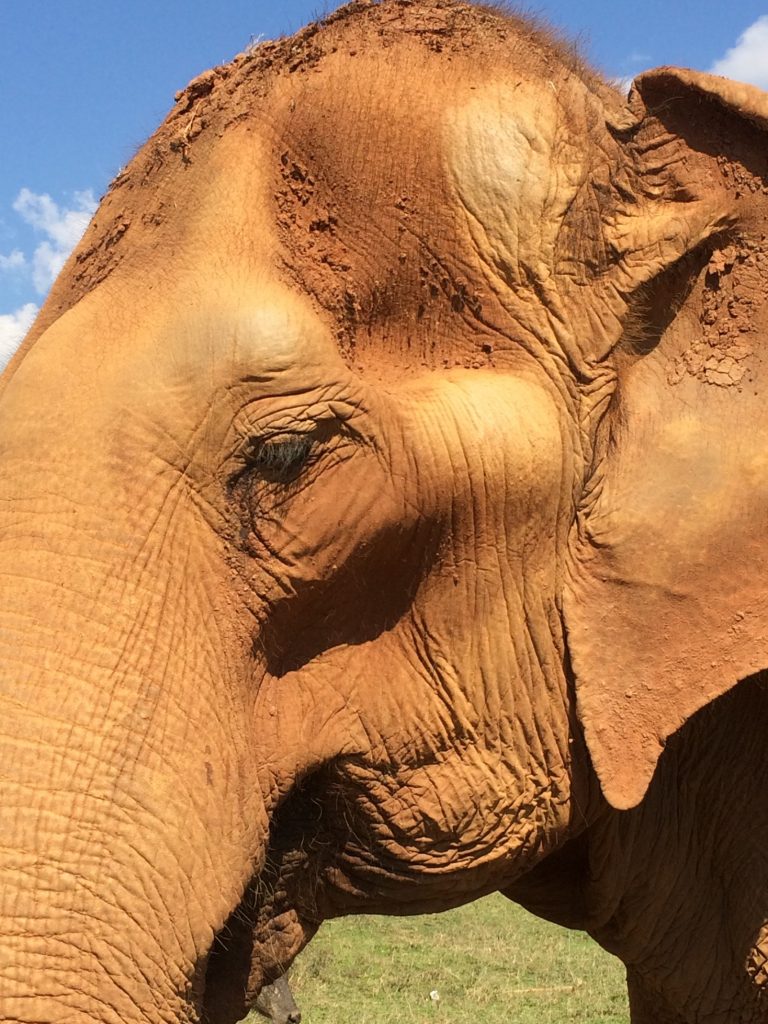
(677, 885)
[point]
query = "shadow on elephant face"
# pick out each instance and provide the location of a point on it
(345, 608)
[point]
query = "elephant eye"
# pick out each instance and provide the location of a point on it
(279, 460)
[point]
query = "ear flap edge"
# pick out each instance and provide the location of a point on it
(665, 606)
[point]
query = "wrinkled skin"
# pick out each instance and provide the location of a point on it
(382, 491)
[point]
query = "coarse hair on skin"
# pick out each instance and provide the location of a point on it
(440, 24)
(529, 23)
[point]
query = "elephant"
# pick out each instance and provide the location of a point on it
(276, 1003)
(382, 524)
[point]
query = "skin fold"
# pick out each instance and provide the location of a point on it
(382, 497)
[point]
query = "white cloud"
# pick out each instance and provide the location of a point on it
(13, 261)
(13, 327)
(47, 261)
(63, 226)
(747, 61)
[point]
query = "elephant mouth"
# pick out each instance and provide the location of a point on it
(254, 947)
(279, 912)
(220, 985)
(323, 859)
(247, 954)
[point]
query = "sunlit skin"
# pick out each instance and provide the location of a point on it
(372, 518)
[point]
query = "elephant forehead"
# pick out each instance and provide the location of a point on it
(200, 296)
(227, 310)
(361, 190)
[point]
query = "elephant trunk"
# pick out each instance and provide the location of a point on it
(83, 935)
(129, 824)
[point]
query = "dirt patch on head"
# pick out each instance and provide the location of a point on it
(369, 224)
(724, 158)
(358, 193)
(448, 26)
(731, 298)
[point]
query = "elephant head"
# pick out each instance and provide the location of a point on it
(381, 486)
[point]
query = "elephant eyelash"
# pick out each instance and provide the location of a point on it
(278, 460)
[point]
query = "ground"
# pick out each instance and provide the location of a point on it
(490, 961)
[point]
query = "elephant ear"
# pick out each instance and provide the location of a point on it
(667, 602)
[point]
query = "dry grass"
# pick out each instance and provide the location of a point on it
(490, 961)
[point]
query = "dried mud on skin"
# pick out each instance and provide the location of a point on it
(137, 204)
(732, 285)
(732, 293)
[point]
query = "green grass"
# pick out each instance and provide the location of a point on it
(490, 962)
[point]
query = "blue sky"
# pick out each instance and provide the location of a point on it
(84, 82)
